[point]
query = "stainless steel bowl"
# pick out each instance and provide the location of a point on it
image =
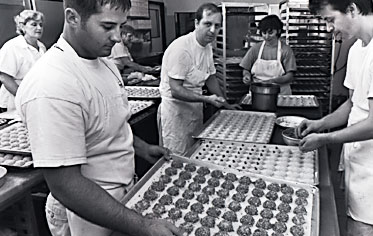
(290, 137)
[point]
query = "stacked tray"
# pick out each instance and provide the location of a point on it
(241, 126)
(138, 106)
(206, 199)
(142, 92)
(14, 160)
(14, 139)
(282, 162)
(288, 100)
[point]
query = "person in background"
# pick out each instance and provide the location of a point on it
(272, 60)
(19, 54)
(76, 111)
(121, 55)
(353, 19)
(188, 65)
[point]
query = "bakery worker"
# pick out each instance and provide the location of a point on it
(188, 65)
(76, 111)
(19, 54)
(352, 18)
(121, 55)
(272, 60)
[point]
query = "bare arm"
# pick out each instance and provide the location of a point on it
(284, 79)
(9, 83)
(178, 91)
(246, 77)
(125, 61)
(80, 194)
(212, 84)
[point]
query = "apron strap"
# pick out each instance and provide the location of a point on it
(261, 50)
(279, 51)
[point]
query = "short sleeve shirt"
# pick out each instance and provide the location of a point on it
(77, 114)
(118, 51)
(287, 57)
(181, 58)
(16, 59)
(359, 77)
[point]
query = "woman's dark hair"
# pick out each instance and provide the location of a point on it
(208, 7)
(86, 8)
(365, 6)
(271, 22)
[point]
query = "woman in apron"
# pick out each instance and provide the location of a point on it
(19, 54)
(272, 60)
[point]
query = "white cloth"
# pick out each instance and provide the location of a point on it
(185, 59)
(117, 52)
(16, 59)
(77, 113)
(269, 69)
(358, 155)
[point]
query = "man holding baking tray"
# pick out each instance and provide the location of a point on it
(352, 18)
(187, 66)
(76, 110)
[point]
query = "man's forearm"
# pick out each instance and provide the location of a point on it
(91, 202)
(339, 117)
(9, 83)
(214, 86)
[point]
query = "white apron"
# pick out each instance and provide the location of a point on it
(179, 120)
(269, 69)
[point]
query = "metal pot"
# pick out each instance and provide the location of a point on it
(264, 96)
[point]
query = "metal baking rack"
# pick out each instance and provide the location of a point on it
(142, 92)
(242, 126)
(278, 161)
(136, 195)
(287, 100)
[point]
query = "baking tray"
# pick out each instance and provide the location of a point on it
(278, 161)
(288, 100)
(15, 160)
(139, 106)
(311, 226)
(242, 126)
(14, 139)
(142, 92)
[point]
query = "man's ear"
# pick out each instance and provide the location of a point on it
(353, 10)
(195, 23)
(72, 17)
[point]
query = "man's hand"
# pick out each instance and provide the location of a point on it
(158, 227)
(154, 152)
(232, 106)
(312, 142)
(308, 126)
(216, 100)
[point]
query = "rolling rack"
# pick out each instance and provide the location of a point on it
(313, 47)
(238, 20)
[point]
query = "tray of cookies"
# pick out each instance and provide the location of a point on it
(277, 161)
(242, 126)
(288, 100)
(14, 139)
(142, 92)
(207, 199)
(15, 160)
(138, 106)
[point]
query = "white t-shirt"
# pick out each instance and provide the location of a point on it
(16, 59)
(77, 114)
(118, 51)
(359, 76)
(181, 58)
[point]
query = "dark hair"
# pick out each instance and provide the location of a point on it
(271, 22)
(127, 29)
(206, 7)
(86, 8)
(365, 6)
